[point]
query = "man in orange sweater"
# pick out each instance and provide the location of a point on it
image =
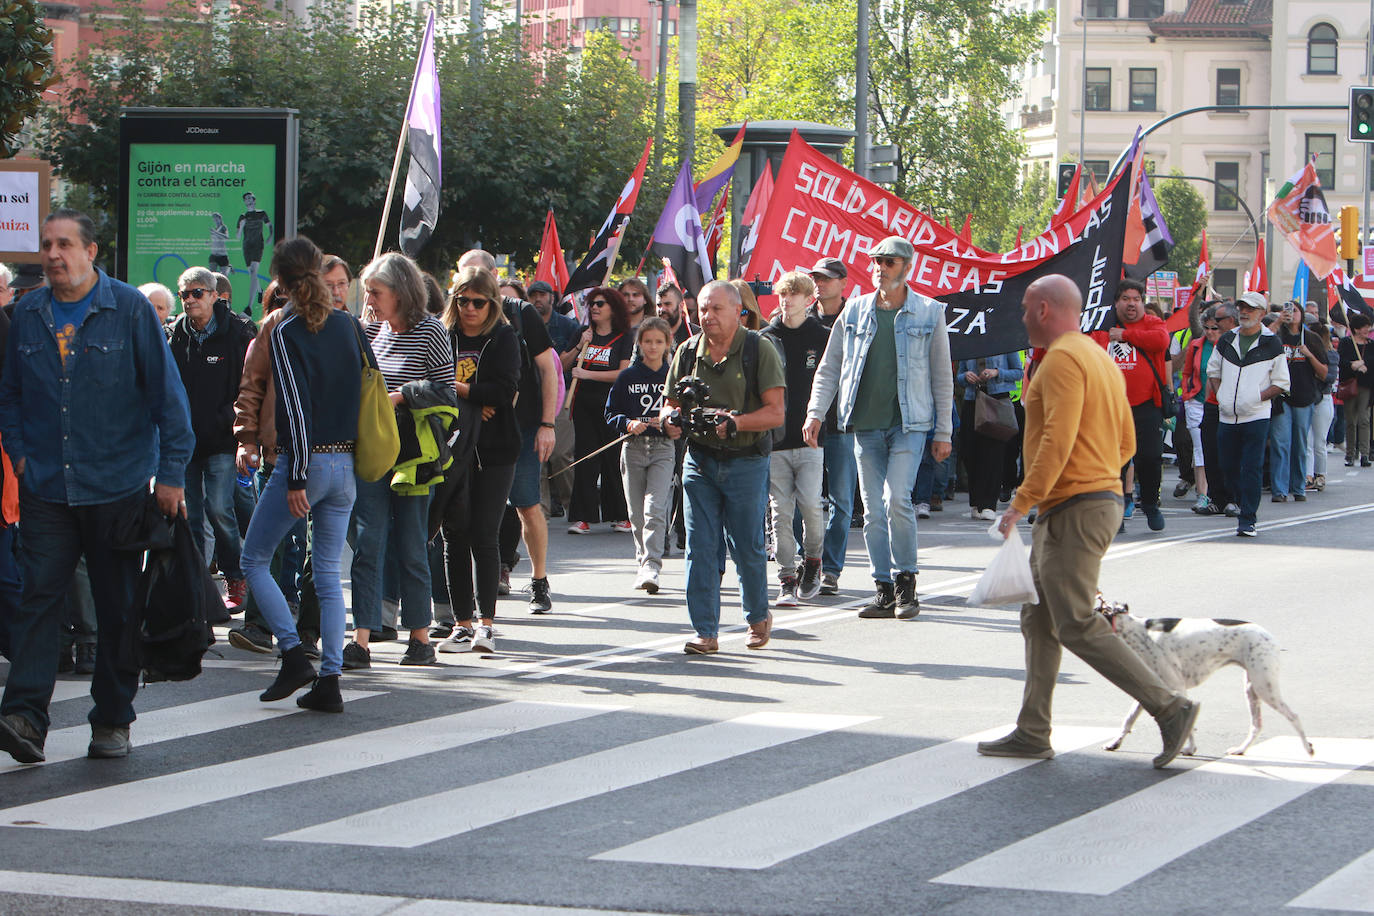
(1079, 433)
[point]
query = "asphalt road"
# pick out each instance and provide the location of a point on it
(589, 766)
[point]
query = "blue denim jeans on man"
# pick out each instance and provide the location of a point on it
(389, 522)
(210, 485)
(725, 497)
(1241, 453)
(888, 462)
(330, 489)
(841, 475)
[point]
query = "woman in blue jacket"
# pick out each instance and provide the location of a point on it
(984, 456)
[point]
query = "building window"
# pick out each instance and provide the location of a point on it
(1146, 9)
(1227, 175)
(1321, 49)
(1224, 282)
(1097, 89)
(1096, 170)
(1323, 146)
(1228, 87)
(1142, 89)
(1099, 9)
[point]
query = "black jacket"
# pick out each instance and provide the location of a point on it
(495, 383)
(211, 372)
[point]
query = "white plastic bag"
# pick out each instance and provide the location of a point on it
(1007, 580)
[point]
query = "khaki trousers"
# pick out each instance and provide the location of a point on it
(1066, 555)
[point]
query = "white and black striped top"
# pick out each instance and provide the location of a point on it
(422, 353)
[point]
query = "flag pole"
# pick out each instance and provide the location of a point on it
(391, 188)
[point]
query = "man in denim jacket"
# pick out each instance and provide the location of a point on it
(91, 408)
(888, 361)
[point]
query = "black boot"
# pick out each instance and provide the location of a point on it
(324, 696)
(884, 603)
(295, 672)
(907, 604)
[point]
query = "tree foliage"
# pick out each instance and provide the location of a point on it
(940, 71)
(516, 137)
(1185, 213)
(26, 68)
(1031, 209)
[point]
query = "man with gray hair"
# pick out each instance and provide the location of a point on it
(209, 343)
(888, 362)
(725, 474)
(162, 299)
(6, 294)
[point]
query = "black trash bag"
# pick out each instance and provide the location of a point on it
(170, 630)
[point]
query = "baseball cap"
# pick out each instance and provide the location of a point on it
(894, 246)
(830, 267)
(1252, 300)
(541, 286)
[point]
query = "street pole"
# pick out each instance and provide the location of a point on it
(1083, 89)
(662, 63)
(687, 76)
(475, 24)
(861, 92)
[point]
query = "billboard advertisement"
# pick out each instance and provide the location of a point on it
(24, 188)
(206, 188)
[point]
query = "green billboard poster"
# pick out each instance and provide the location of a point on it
(205, 188)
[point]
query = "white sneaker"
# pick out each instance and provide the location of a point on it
(987, 515)
(923, 510)
(642, 579)
(484, 640)
(787, 593)
(650, 577)
(458, 642)
(975, 515)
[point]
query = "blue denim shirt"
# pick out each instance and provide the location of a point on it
(925, 377)
(96, 429)
(1009, 372)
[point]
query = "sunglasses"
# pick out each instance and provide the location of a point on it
(886, 262)
(465, 303)
(1211, 327)
(597, 303)
(186, 294)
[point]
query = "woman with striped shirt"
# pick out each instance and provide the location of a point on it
(392, 528)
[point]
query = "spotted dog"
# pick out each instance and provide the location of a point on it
(1184, 652)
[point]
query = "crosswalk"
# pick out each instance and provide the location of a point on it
(1149, 821)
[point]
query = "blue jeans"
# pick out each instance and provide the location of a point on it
(932, 477)
(888, 462)
(330, 488)
(1240, 448)
(1288, 435)
(210, 485)
(841, 473)
(388, 522)
(725, 497)
(54, 537)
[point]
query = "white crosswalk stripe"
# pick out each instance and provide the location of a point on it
(121, 804)
(1134, 836)
(1351, 888)
(184, 721)
(772, 831)
(418, 821)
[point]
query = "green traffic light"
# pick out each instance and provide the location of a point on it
(1363, 127)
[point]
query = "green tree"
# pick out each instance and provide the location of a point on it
(940, 71)
(1185, 213)
(1031, 209)
(26, 50)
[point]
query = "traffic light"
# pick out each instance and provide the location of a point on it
(1350, 233)
(1066, 170)
(1360, 128)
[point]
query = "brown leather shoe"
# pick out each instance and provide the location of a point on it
(702, 646)
(759, 633)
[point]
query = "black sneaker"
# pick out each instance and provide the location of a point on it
(809, 585)
(20, 739)
(905, 590)
(324, 696)
(830, 583)
(1181, 489)
(295, 672)
(109, 742)
(251, 638)
(540, 602)
(355, 657)
(385, 634)
(418, 653)
(312, 649)
(884, 603)
(441, 631)
(503, 583)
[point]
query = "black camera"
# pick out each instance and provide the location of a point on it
(692, 414)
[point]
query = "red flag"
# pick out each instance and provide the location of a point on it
(1257, 277)
(716, 231)
(1068, 205)
(551, 269)
(1018, 238)
(967, 232)
(605, 245)
(753, 215)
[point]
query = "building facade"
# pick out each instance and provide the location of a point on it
(1110, 66)
(565, 24)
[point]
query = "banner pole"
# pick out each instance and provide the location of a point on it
(391, 188)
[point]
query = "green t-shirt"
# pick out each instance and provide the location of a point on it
(875, 404)
(1245, 343)
(728, 388)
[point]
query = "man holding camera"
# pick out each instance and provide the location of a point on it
(725, 392)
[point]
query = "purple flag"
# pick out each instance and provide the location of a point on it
(420, 210)
(678, 236)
